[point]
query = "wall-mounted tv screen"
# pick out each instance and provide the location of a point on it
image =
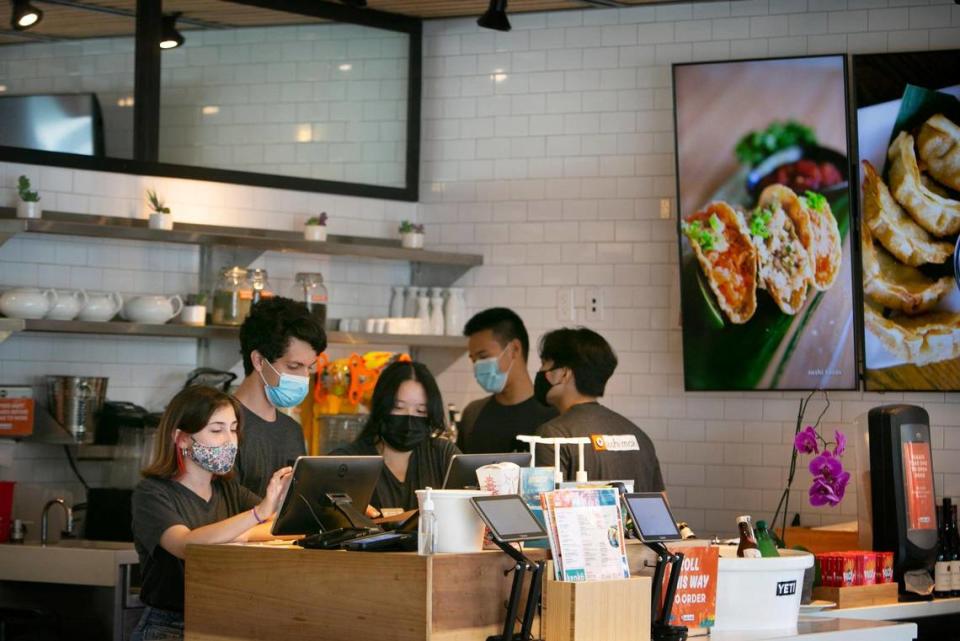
(70, 123)
(908, 139)
(765, 224)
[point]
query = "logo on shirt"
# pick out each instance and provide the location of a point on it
(614, 442)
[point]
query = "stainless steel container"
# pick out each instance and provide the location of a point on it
(75, 401)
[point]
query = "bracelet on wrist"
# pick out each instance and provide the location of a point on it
(257, 517)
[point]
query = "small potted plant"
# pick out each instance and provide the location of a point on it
(160, 216)
(194, 310)
(29, 203)
(316, 227)
(411, 235)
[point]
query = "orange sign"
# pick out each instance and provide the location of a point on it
(16, 416)
(695, 604)
(918, 482)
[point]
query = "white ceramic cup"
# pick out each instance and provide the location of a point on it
(195, 315)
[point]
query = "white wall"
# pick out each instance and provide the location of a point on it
(556, 171)
(555, 175)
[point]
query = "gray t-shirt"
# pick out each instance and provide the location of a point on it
(632, 457)
(265, 448)
(159, 504)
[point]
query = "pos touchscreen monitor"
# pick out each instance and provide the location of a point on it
(651, 517)
(509, 518)
(462, 471)
(328, 492)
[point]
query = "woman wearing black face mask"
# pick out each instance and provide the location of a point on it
(406, 417)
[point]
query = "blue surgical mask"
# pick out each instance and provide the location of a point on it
(289, 391)
(488, 374)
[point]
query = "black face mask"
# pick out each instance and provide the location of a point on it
(541, 386)
(404, 432)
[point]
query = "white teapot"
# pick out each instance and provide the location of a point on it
(101, 306)
(27, 302)
(155, 310)
(68, 305)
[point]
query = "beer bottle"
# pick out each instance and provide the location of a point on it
(942, 579)
(748, 545)
(764, 542)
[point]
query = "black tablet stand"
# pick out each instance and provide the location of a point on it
(533, 595)
(661, 630)
(360, 525)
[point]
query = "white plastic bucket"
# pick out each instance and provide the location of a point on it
(759, 594)
(459, 529)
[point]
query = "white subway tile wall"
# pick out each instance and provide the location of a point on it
(548, 150)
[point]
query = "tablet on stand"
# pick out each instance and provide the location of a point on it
(511, 521)
(654, 524)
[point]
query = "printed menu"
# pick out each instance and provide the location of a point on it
(585, 528)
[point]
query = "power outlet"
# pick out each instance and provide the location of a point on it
(565, 313)
(594, 304)
(664, 208)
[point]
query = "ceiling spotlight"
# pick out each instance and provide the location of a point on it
(495, 17)
(24, 15)
(170, 38)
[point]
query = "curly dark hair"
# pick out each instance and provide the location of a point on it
(270, 326)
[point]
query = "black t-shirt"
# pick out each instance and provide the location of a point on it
(159, 504)
(488, 426)
(630, 457)
(427, 467)
(265, 448)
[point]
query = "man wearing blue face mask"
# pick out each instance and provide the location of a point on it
(498, 344)
(280, 342)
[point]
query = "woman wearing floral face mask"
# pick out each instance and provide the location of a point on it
(188, 496)
(406, 418)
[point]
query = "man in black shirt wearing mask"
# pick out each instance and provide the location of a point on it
(498, 346)
(404, 427)
(279, 342)
(576, 365)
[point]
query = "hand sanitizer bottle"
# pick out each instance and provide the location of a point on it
(427, 534)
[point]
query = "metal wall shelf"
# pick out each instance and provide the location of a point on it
(171, 330)
(110, 227)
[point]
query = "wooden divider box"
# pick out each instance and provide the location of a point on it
(857, 596)
(267, 592)
(597, 610)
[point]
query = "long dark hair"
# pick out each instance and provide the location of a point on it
(385, 396)
(188, 411)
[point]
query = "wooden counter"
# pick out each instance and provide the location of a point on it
(259, 592)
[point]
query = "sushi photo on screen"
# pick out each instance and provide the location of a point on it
(908, 148)
(766, 279)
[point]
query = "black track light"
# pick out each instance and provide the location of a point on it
(495, 17)
(170, 38)
(357, 4)
(24, 15)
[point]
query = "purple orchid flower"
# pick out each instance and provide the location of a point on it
(826, 491)
(840, 441)
(826, 465)
(822, 493)
(806, 441)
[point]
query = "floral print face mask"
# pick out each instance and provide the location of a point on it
(217, 459)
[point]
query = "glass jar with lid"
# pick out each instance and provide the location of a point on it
(232, 297)
(309, 289)
(260, 284)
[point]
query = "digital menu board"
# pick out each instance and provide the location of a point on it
(908, 141)
(765, 224)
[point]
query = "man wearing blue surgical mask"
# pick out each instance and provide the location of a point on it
(280, 342)
(498, 344)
